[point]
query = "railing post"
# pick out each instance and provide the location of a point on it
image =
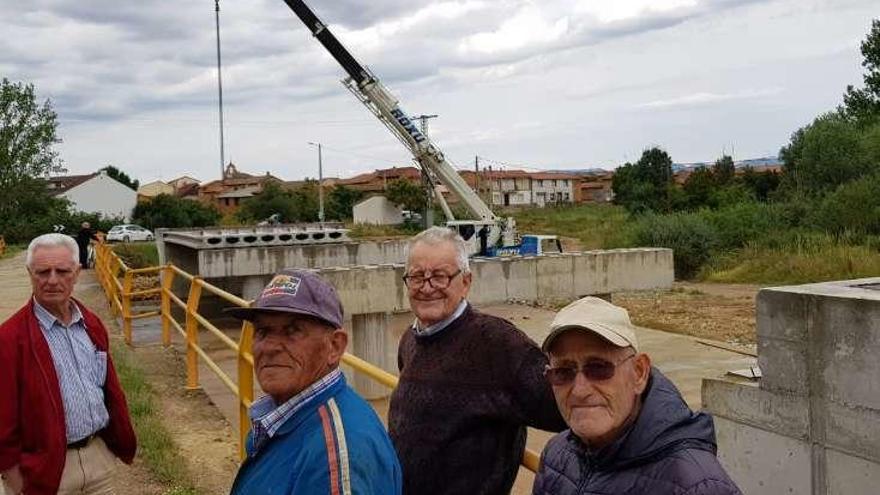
(167, 280)
(192, 334)
(127, 283)
(245, 384)
(114, 266)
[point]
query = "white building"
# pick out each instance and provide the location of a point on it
(377, 210)
(95, 193)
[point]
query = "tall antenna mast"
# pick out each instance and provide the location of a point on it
(220, 90)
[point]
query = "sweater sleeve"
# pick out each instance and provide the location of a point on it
(10, 441)
(532, 394)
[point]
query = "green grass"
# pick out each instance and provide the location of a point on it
(155, 444)
(138, 254)
(366, 231)
(595, 226)
(806, 259)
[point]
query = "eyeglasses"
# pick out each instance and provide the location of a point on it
(437, 280)
(596, 370)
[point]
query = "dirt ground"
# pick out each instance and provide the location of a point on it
(202, 436)
(723, 312)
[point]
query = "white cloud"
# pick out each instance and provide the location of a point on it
(546, 82)
(617, 10)
(527, 27)
(706, 98)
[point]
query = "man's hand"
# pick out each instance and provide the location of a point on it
(13, 480)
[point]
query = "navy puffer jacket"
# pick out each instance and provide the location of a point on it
(669, 450)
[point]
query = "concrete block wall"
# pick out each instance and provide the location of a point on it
(819, 352)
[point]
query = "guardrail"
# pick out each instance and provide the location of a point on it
(110, 268)
(2, 246)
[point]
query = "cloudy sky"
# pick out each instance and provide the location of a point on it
(544, 84)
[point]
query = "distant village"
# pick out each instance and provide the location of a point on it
(98, 192)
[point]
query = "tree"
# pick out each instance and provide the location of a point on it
(172, 212)
(863, 105)
(723, 170)
(341, 201)
(407, 195)
(273, 199)
(824, 154)
(699, 188)
(121, 176)
(297, 205)
(646, 184)
(760, 184)
(852, 207)
(27, 137)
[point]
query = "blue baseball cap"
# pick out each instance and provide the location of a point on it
(298, 292)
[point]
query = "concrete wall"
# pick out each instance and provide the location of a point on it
(562, 277)
(377, 211)
(240, 262)
(812, 426)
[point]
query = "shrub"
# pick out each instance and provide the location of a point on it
(138, 255)
(691, 238)
(172, 212)
(740, 223)
(853, 207)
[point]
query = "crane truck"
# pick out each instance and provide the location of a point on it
(485, 232)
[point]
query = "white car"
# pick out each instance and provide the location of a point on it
(129, 232)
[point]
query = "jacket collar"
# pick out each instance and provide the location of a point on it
(665, 424)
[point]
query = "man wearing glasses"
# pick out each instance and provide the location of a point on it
(630, 429)
(469, 385)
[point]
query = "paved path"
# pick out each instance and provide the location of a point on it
(15, 286)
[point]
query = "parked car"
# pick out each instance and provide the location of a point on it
(129, 232)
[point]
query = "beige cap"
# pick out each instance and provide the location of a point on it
(594, 315)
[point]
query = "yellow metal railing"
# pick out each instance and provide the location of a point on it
(2, 245)
(110, 269)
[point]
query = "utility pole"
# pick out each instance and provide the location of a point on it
(424, 121)
(220, 89)
(477, 174)
(320, 183)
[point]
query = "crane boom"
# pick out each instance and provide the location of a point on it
(376, 97)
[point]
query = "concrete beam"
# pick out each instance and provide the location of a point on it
(748, 404)
(819, 398)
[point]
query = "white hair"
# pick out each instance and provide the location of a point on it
(440, 235)
(52, 240)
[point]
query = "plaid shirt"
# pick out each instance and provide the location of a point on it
(267, 417)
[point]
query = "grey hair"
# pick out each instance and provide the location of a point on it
(52, 240)
(440, 235)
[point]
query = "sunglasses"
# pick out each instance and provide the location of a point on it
(594, 369)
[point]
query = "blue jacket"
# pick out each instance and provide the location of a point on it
(669, 450)
(334, 445)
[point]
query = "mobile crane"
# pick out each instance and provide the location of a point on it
(485, 231)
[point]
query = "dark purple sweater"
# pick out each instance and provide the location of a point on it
(458, 416)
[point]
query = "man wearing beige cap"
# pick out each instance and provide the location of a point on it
(630, 431)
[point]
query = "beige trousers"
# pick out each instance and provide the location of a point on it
(87, 471)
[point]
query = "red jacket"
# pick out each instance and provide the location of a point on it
(32, 429)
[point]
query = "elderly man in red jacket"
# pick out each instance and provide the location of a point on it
(63, 416)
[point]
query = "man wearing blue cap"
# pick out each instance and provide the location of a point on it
(311, 433)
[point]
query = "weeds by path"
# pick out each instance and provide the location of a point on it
(155, 444)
